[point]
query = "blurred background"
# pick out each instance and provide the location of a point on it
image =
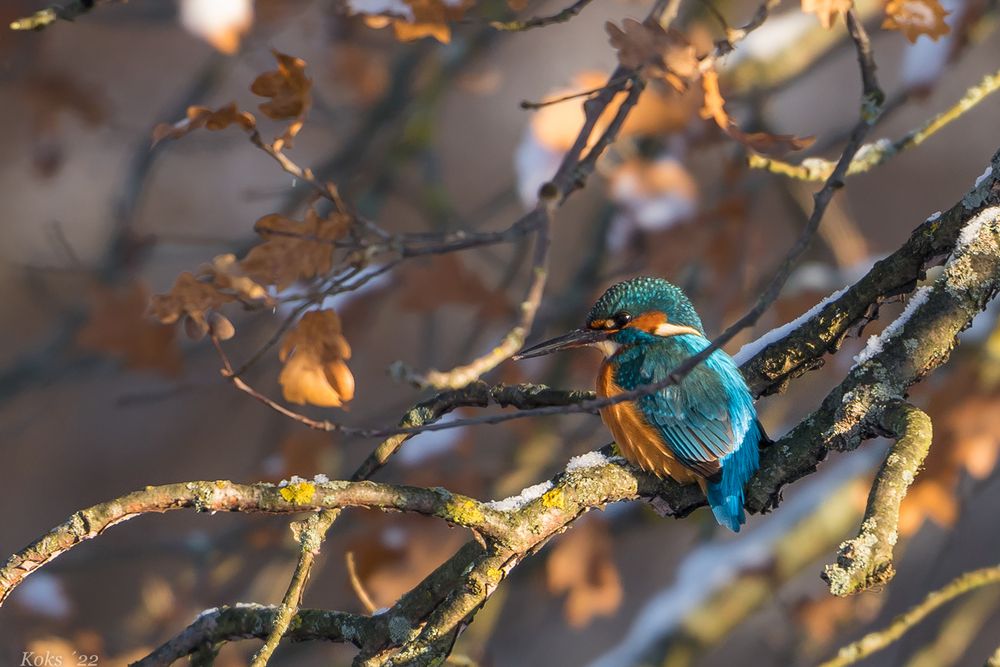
(424, 135)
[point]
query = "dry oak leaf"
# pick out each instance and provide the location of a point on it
(827, 10)
(581, 565)
(227, 273)
(118, 326)
(916, 17)
(314, 353)
(658, 53)
(294, 250)
(191, 299)
(203, 117)
(760, 142)
(288, 87)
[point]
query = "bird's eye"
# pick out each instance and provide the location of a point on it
(621, 319)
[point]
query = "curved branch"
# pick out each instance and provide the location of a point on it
(225, 496)
(876, 641)
(866, 560)
(250, 621)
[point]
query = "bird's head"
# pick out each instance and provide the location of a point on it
(636, 311)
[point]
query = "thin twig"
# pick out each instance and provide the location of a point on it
(542, 21)
(878, 153)
(876, 641)
(526, 104)
(356, 585)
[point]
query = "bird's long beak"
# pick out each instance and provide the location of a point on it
(575, 338)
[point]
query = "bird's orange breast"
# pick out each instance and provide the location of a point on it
(639, 442)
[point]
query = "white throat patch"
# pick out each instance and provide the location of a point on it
(607, 347)
(667, 329)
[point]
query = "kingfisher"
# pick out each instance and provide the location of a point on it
(705, 428)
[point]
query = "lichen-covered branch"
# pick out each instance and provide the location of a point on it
(853, 411)
(866, 560)
(225, 496)
(876, 641)
(252, 621)
(876, 154)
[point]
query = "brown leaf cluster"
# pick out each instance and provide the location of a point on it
(227, 273)
(117, 326)
(761, 142)
(657, 52)
(202, 117)
(290, 96)
(290, 93)
(581, 566)
(314, 353)
(193, 301)
(293, 250)
(916, 17)
(431, 18)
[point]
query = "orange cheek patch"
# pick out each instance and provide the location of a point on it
(649, 321)
(598, 324)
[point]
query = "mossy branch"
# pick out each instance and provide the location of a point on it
(875, 154)
(866, 560)
(876, 641)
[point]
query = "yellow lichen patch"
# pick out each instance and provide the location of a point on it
(464, 512)
(554, 498)
(494, 575)
(298, 493)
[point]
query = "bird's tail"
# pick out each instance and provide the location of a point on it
(725, 491)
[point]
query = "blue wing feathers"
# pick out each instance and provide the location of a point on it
(708, 422)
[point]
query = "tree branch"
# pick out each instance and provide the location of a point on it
(875, 154)
(876, 641)
(866, 560)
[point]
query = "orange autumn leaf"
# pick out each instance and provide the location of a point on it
(916, 17)
(827, 11)
(117, 325)
(658, 53)
(288, 87)
(760, 142)
(581, 566)
(657, 112)
(227, 273)
(203, 117)
(192, 300)
(290, 93)
(424, 18)
(293, 250)
(314, 353)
